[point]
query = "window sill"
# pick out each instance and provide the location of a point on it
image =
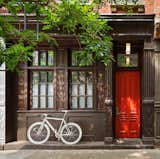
(127, 8)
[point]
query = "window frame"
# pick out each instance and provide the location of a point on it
(60, 56)
(31, 69)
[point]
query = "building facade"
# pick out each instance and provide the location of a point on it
(120, 101)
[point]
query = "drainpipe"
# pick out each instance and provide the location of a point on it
(25, 17)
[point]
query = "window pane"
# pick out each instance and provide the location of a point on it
(50, 58)
(128, 2)
(74, 77)
(35, 102)
(124, 60)
(82, 102)
(89, 102)
(76, 59)
(81, 77)
(50, 89)
(89, 77)
(42, 102)
(35, 77)
(43, 89)
(35, 58)
(74, 102)
(82, 89)
(43, 58)
(89, 89)
(50, 102)
(35, 89)
(50, 77)
(43, 77)
(74, 89)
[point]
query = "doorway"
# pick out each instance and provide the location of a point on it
(127, 104)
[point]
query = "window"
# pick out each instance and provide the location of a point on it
(81, 1)
(126, 2)
(42, 86)
(81, 82)
(127, 56)
(58, 81)
(81, 89)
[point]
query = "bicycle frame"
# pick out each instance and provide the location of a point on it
(63, 122)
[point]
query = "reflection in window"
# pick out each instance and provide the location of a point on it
(81, 89)
(76, 59)
(42, 89)
(127, 59)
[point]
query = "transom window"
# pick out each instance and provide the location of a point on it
(127, 58)
(128, 54)
(43, 58)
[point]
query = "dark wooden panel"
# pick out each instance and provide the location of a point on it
(22, 89)
(148, 74)
(11, 103)
(93, 123)
(147, 112)
(157, 77)
(104, 87)
(157, 123)
(61, 89)
(148, 78)
(157, 96)
(109, 81)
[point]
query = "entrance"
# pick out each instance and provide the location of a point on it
(127, 104)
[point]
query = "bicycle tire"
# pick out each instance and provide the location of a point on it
(37, 139)
(74, 136)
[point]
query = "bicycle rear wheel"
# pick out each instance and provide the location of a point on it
(38, 133)
(71, 133)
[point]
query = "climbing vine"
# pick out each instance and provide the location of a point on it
(71, 17)
(82, 20)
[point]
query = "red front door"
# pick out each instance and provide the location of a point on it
(127, 104)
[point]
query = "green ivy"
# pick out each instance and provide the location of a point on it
(73, 17)
(23, 43)
(66, 17)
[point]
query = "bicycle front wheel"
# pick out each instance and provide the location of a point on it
(38, 133)
(71, 133)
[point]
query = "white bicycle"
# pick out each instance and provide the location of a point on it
(39, 132)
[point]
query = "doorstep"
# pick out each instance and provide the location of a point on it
(54, 145)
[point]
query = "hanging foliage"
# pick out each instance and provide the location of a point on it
(22, 43)
(66, 17)
(82, 20)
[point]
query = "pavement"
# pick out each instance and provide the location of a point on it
(55, 145)
(81, 154)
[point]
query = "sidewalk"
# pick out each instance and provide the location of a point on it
(54, 145)
(81, 154)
